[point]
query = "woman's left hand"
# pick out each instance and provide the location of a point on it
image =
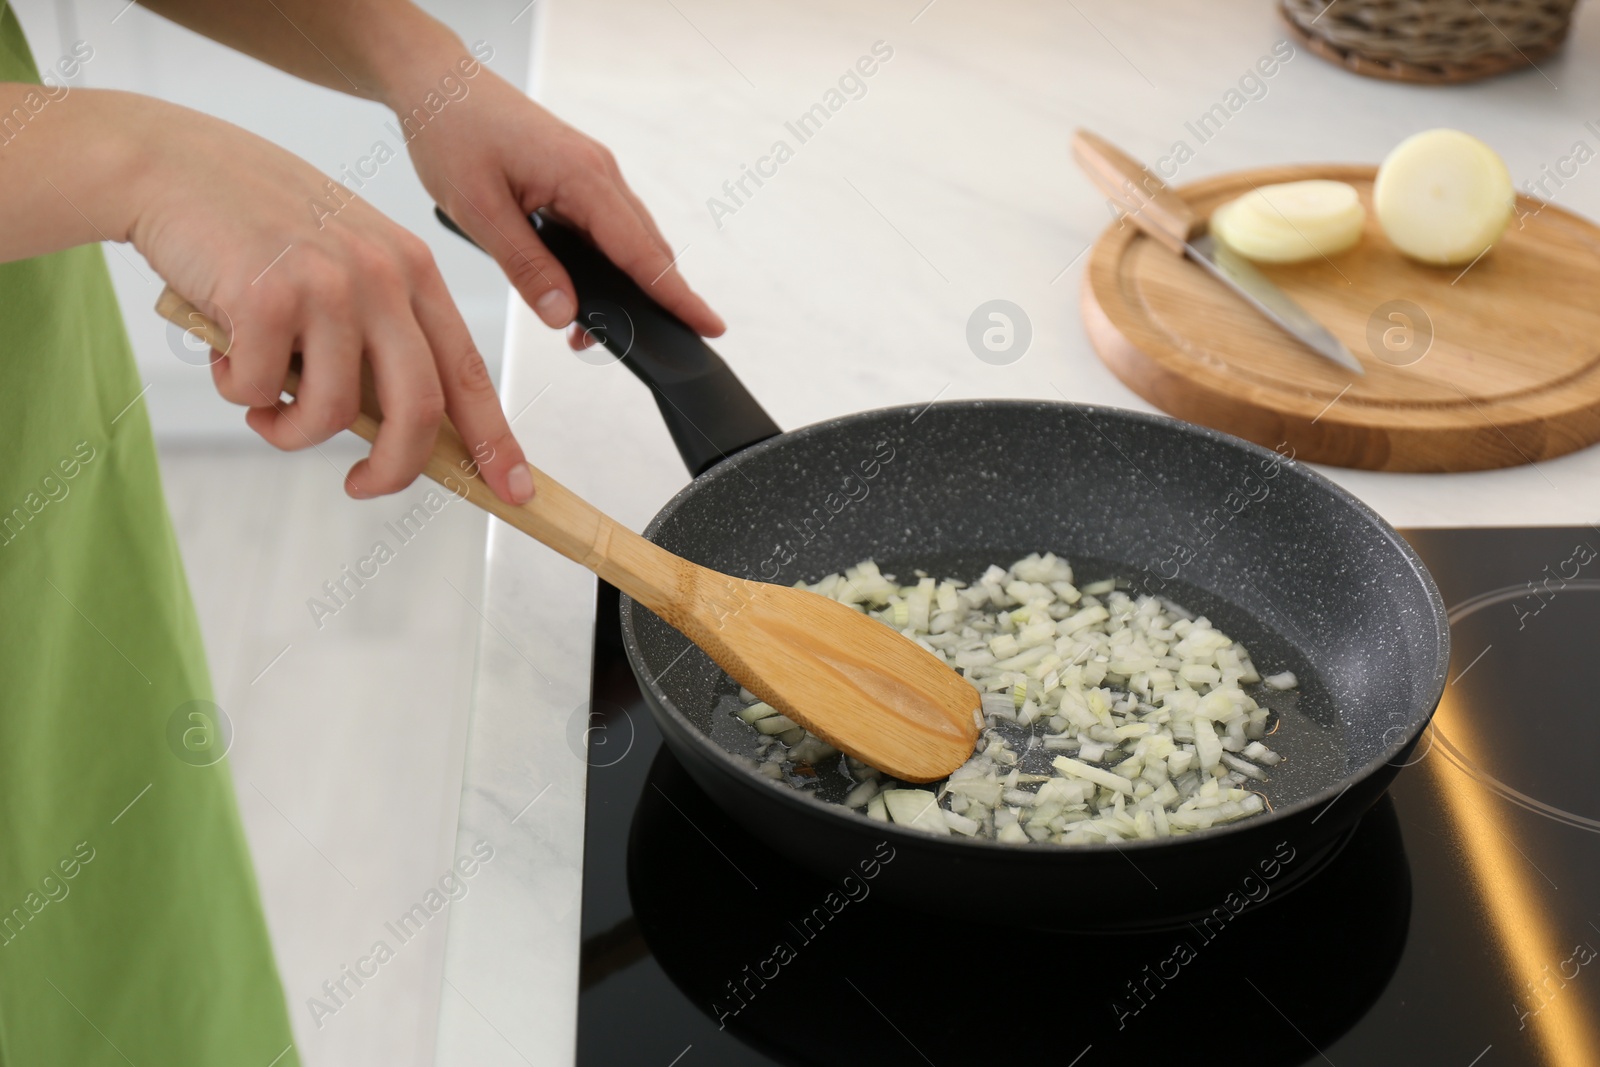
(490, 156)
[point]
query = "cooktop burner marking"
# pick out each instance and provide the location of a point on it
(1454, 753)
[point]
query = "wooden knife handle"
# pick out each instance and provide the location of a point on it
(555, 516)
(1154, 208)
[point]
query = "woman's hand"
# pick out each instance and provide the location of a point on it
(490, 157)
(295, 263)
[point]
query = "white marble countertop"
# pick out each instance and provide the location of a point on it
(847, 279)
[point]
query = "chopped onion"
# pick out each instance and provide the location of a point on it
(916, 808)
(1244, 767)
(1097, 775)
(961, 824)
(862, 793)
(774, 724)
(1147, 699)
(758, 710)
(1261, 753)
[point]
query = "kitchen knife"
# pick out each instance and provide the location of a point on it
(1163, 216)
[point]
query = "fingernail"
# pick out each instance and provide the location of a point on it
(554, 308)
(520, 483)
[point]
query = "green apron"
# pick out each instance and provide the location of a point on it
(130, 926)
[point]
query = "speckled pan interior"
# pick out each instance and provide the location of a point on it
(1302, 572)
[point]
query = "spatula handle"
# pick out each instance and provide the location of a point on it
(1153, 207)
(555, 516)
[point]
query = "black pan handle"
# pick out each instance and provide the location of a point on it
(707, 410)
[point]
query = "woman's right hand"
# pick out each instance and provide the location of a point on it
(295, 263)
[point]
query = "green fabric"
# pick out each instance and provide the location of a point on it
(128, 934)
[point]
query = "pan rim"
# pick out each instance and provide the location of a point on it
(729, 467)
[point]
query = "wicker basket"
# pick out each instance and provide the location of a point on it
(1430, 40)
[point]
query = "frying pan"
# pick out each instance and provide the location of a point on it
(1306, 575)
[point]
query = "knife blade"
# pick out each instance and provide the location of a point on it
(1236, 272)
(1164, 216)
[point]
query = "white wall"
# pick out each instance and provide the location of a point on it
(138, 51)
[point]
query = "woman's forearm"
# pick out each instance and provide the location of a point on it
(369, 48)
(72, 162)
(281, 256)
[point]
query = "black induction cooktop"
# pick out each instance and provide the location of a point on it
(1458, 925)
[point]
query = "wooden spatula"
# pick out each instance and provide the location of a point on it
(847, 678)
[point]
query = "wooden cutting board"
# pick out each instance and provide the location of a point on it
(1511, 373)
